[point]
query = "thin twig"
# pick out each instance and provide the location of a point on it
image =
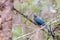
(55, 28)
(25, 35)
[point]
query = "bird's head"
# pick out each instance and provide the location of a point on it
(35, 16)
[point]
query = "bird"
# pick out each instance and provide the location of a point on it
(40, 21)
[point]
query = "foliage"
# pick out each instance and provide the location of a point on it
(16, 32)
(47, 20)
(58, 34)
(58, 14)
(28, 22)
(45, 35)
(37, 9)
(56, 1)
(54, 6)
(57, 23)
(50, 38)
(27, 5)
(22, 7)
(29, 2)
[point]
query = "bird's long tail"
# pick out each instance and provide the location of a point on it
(49, 31)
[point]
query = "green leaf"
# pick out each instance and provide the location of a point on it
(16, 32)
(29, 2)
(58, 34)
(28, 22)
(54, 6)
(45, 35)
(50, 38)
(56, 1)
(37, 9)
(34, 8)
(19, 29)
(57, 23)
(58, 14)
(47, 20)
(22, 7)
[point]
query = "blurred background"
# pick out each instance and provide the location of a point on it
(16, 19)
(23, 29)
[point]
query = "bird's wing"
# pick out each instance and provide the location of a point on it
(39, 21)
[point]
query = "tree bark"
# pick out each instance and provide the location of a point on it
(6, 17)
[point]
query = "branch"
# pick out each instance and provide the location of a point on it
(25, 35)
(24, 16)
(55, 29)
(33, 22)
